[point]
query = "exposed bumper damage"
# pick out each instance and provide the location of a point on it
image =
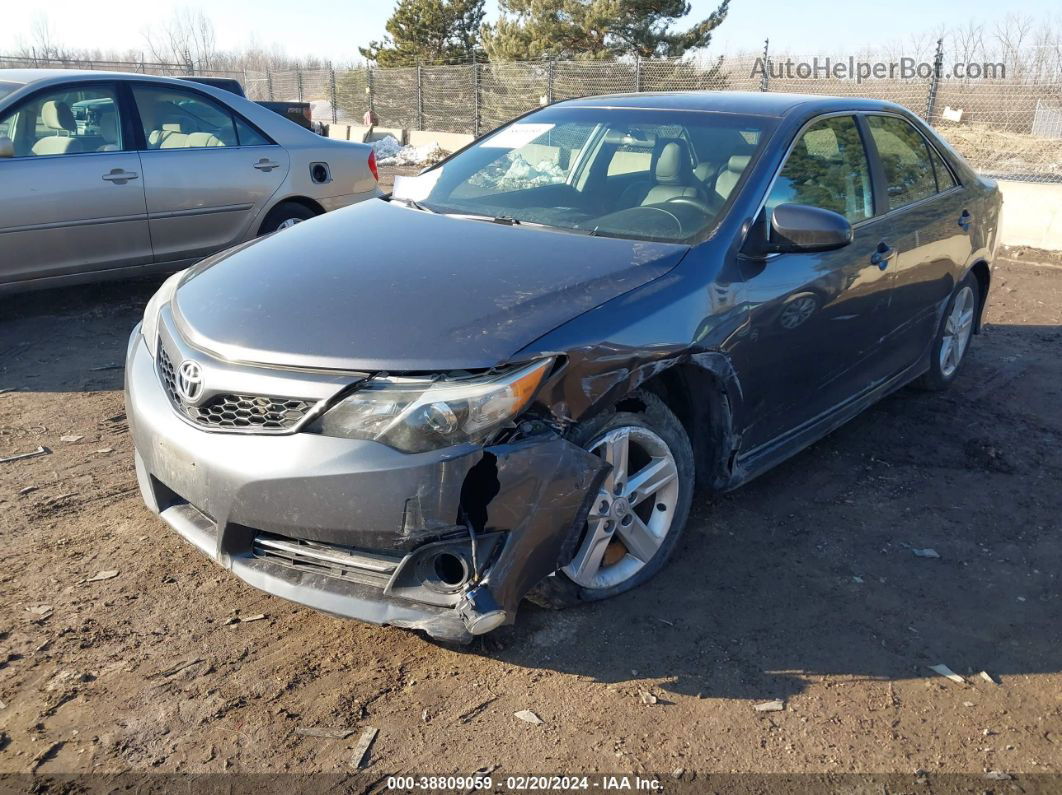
(447, 542)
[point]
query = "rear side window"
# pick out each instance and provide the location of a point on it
(248, 135)
(177, 119)
(827, 168)
(905, 157)
(945, 179)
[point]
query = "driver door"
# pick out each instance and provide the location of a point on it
(816, 319)
(73, 192)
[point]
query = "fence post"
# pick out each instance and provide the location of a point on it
(372, 92)
(269, 83)
(475, 92)
(637, 74)
(332, 94)
(549, 82)
(934, 80)
(420, 97)
(298, 80)
(765, 79)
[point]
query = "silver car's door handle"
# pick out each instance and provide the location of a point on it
(266, 165)
(120, 176)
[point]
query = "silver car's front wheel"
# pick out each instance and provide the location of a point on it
(634, 509)
(287, 223)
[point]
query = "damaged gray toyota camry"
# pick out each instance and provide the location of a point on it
(506, 379)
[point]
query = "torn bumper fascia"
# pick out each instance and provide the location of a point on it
(219, 491)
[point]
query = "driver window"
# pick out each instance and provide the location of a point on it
(827, 168)
(65, 121)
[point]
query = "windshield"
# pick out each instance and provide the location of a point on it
(619, 172)
(7, 88)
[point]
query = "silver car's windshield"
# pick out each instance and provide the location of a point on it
(7, 88)
(618, 172)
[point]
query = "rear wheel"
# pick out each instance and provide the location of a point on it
(953, 337)
(639, 512)
(284, 216)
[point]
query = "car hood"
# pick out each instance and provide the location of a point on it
(380, 286)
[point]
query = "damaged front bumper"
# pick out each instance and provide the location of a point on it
(448, 541)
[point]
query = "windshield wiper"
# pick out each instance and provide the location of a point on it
(412, 203)
(508, 220)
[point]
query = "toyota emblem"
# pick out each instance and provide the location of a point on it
(190, 381)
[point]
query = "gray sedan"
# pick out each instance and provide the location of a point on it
(107, 175)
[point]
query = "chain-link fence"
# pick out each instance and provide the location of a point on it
(1006, 126)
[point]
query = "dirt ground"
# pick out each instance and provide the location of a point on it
(802, 587)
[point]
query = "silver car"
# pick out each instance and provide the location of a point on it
(107, 175)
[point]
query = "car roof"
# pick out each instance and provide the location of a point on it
(759, 103)
(27, 76)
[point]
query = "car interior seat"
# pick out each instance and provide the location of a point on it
(729, 176)
(58, 118)
(673, 175)
(108, 131)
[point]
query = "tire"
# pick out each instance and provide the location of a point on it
(285, 213)
(646, 430)
(961, 313)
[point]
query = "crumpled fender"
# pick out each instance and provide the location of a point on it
(546, 489)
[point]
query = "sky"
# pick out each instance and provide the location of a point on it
(333, 29)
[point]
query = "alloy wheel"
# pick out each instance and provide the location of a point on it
(634, 509)
(287, 223)
(957, 330)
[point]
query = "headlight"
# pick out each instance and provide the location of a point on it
(149, 329)
(415, 415)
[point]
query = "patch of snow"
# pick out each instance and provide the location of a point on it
(389, 152)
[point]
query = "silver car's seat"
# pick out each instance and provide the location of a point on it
(109, 132)
(58, 118)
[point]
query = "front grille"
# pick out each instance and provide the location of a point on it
(234, 412)
(330, 560)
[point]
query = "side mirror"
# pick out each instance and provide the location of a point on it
(800, 227)
(7, 147)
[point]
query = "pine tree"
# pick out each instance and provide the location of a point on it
(429, 32)
(595, 29)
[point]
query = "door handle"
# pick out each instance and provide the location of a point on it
(266, 165)
(882, 255)
(965, 219)
(120, 176)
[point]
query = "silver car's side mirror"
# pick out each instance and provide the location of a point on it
(7, 147)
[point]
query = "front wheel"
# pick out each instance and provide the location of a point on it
(953, 336)
(639, 512)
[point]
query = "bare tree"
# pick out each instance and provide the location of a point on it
(43, 44)
(186, 38)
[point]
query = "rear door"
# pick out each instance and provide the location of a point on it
(816, 319)
(208, 173)
(73, 194)
(930, 217)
